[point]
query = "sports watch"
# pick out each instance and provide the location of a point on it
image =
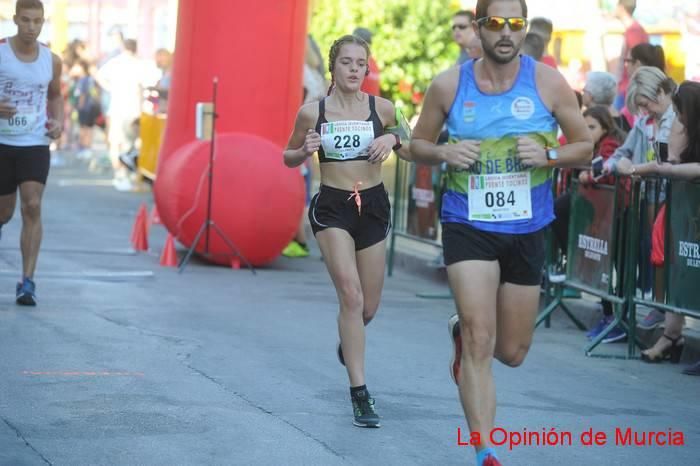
(552, 155)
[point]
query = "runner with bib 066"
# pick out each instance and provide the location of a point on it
(350, 215)
(502, 113)
(31, 113)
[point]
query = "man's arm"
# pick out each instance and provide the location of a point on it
(436, 104)
(55, 101)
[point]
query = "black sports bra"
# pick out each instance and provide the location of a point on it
(347, 140)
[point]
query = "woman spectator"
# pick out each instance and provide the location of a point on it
(684, 147)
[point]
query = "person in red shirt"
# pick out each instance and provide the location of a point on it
(634, 35)
(371, 83)
(543, 28)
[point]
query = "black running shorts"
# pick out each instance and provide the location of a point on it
(520, 257)
(20, 164)
(336, 208)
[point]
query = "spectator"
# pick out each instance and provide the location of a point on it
(543, 27)
(600, 89)
(86, 95)
(371, 83)
(645, 55)
(124, 77)
(686, 102)
(465, 37)
(533, 46)
(634, 34)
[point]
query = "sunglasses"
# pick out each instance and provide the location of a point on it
(497, 23)
(461, 27)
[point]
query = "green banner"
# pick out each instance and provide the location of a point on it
(684, 240)
(591, 237)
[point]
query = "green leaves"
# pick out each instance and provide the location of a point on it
(412, 40)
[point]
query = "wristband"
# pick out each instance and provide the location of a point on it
(397, 146)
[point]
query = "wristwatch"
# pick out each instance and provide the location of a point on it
(552, 155)
(397, 146)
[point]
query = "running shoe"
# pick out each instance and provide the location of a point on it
(615, 335)
(453, 329)
(340, 354)
(491, 460)
(26, 293)
(693, 369)
(294, 249)
(652, 320)
(363, 409)
(599, 327)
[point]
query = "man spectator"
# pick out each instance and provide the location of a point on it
(634, 35)
(533, 46)
(464, 36)
(371, 83)
(543, 28)
(124, 77)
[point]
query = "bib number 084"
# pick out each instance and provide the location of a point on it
(499, 199)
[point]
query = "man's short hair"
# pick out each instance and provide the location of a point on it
(628, 5)
(602, 87)
(130, 45)
(28, 5)
(467, 13)
(533, 46)
(543, 25)
(482, 8)
(364, 34)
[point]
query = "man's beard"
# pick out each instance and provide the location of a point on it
(490, 51)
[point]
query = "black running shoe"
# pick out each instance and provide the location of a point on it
(363, 409)
(340, 354)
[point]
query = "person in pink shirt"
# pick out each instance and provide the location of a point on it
(634, 35)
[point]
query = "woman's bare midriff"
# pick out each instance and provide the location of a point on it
(345, 175)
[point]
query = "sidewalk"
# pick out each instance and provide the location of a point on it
(125, 362)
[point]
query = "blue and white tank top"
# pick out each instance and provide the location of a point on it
(498, 194)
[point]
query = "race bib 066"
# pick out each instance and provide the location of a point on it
(24, 121)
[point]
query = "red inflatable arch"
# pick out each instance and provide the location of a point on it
(256, 49)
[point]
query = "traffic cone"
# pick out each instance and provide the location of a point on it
(139, 233)
(155, 216)
(168, 258)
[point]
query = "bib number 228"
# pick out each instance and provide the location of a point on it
(347, 141)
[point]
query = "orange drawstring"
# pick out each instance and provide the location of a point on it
(356, 195)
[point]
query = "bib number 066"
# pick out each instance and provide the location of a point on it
(17, 121)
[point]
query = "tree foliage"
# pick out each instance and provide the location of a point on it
(412, 40)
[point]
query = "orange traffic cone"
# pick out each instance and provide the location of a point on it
(155, 217)
(168, 258)
(139, 233)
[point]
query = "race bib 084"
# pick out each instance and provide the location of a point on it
(500, 197)
(346, 140)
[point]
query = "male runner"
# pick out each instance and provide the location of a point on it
(31, 111)
(502, 113)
